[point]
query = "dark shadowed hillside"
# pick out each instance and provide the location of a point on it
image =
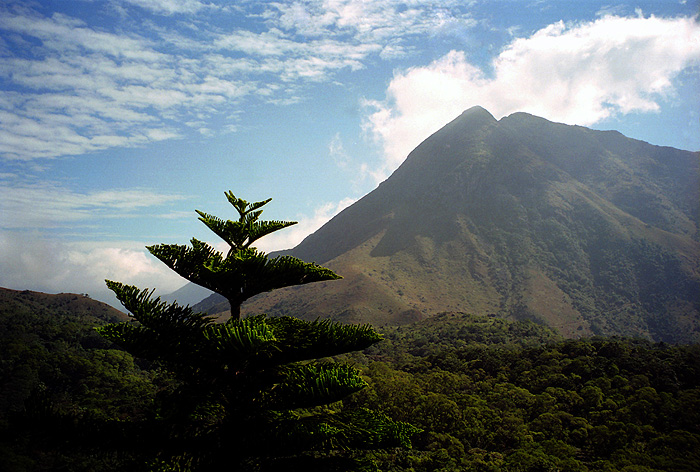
(57, 371)
(586, 231)
(39, 331)
(71, 304)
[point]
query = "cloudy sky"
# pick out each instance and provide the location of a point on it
(119, 117)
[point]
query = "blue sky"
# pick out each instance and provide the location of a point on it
(119, 117)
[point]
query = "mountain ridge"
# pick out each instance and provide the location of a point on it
(56, 304)
(587, 231)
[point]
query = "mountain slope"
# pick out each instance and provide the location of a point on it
(188, 294)
(71, 304)
(582, 230)
(44, 339)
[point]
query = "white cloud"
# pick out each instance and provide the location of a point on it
(337, 152)
(378, 22)
(30, 262)
(81, 90)
(577, 74)
(68, 35)
(277, 53)
(169, 7)
(46, 205)
(71, 88)
(293, 235)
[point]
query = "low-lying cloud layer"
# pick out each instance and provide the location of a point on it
(33, 257)
(33, 262)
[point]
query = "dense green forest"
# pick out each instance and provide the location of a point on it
(493, 395)
(489, 395)
(57, 373)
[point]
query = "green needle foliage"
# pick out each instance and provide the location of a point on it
(256, 392)
(244, 271)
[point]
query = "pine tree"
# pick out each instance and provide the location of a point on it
(249, 392)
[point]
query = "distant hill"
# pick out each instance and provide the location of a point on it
(44, 341)
(55, 365)
(73, 304)
(588, 232)
(188, 294)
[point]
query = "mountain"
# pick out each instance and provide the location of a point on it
(188, 294)
(588, 232)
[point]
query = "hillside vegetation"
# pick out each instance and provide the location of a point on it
(499, 396)
(489, 394)
(56, 371)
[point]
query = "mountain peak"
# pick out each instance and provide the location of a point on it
(439, 151)
(477, 113)
(471, 120)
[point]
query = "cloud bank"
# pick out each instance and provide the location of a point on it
(31, 262)
(575, 74)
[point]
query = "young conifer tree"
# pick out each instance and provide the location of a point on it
(250, 392)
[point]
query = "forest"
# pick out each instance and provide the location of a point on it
(487, 395)
(493, 395)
